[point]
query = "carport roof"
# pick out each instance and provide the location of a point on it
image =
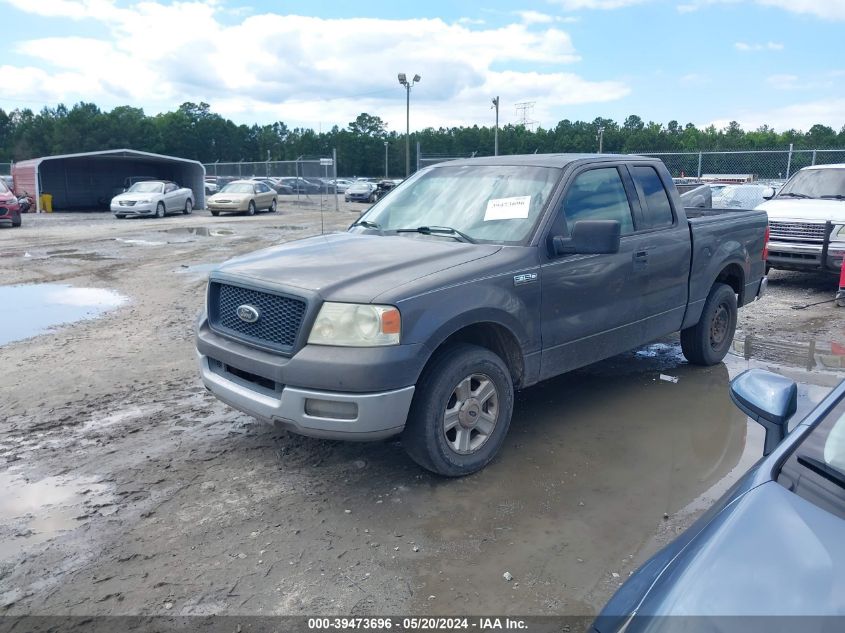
(110, 153)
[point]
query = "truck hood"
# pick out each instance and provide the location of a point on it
(353, 267)
(804, 210)
(770, 553)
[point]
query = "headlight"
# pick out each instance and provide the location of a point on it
(356, 325)
(837, 234)
(147, 201)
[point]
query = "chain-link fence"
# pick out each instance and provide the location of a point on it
(745, 166)
(303, 168)
(736, 166)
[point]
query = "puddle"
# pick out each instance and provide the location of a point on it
(598, 457)
(199, 230)
(37, 511)
(34, 309)
(140, 242)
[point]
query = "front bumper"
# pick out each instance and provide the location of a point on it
(229, 207)
(361, 416)
(806, 256)
(135, 209)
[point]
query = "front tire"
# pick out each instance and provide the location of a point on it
(272, 208)
(215, 213)
(707, 342)
(160, 210)
(189, 206)
(17, 220)
(461, 411)
(250, 210)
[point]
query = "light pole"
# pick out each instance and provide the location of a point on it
(601, 138)
(496, 132)
(404, 81)
(385, 160)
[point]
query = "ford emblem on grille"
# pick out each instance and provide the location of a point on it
(248, 313)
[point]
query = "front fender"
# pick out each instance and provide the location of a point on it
(432, 318)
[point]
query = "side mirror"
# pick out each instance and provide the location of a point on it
(590, 237)
(766, 398)
(768, 193)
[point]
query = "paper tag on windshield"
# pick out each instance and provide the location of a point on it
(507, 208)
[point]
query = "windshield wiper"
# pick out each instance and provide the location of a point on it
(447, 230)
(367, 225)
(790, 194)
(825, 470)
(833, 196)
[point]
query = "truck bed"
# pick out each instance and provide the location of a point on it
(720, 236)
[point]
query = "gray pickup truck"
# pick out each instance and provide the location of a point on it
(470, 280)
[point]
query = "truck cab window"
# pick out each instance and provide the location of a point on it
(657, 211)
(598, 194)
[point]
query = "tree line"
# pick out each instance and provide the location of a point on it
(194, 131)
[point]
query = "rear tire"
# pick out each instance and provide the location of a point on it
(461, 411)
(707, 342)
(120, 217)
(272, 208)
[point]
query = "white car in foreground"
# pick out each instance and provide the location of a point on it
(153, 197)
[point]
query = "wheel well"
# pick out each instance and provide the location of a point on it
(498, 339)
(733, 276)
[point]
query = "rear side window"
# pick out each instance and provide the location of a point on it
(657, 211)
(598, 194)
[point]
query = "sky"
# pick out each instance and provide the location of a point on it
(320, 63)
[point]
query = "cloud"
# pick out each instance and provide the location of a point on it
(825, 9)
(799, 116)
(575, 5)
(768, 46)
(536, 17)
(303, 70)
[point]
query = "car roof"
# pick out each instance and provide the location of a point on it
(833, 166)
(542, 160)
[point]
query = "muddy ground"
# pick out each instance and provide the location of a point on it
(126, 489)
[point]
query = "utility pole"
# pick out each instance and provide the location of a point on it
(600, 138)
(408, 84)
(496, 129)
(385, 160)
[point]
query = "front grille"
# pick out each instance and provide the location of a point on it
(279, 320)
(127, 203)
(800, 231)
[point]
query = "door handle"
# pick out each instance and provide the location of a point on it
(641, 256)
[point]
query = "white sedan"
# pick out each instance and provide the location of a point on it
(153, 197)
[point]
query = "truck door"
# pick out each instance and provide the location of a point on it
(592, 304)
(664, 271)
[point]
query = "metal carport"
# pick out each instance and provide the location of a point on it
(88, 181)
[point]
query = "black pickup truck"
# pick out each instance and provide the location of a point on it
(472, 279)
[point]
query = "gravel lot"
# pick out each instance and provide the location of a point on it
(126, 489)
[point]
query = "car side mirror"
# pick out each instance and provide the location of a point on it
(767, 398)
(590, 237)
(768, 193)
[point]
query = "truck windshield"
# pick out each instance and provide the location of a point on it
(816, 183)
(488, 203)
